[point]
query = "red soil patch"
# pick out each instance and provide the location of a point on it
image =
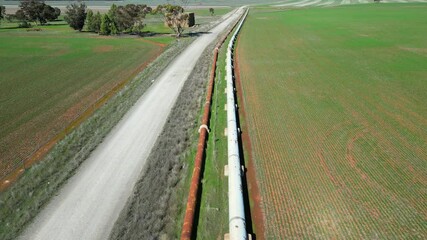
(139, 38)
(350, 156)
(103, 48)
(153, 42)
(337, 179)
(59, 53)
(342, 186)
(254, 192)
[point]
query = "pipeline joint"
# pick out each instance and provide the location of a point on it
(205, 127)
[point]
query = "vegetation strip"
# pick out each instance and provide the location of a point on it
(255, 199)
(213, 210)
(187, 227)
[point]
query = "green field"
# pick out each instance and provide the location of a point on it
(336, 106)
(49, 78)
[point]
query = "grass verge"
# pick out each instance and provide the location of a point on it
(214, 200)
(152, 212)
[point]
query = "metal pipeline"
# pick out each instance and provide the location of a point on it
(187, 227)
(236, 209)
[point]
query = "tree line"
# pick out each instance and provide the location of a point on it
(124, 19)
(34, 11)
(119, 19)
(128, 19)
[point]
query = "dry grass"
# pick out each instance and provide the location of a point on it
(152, 212)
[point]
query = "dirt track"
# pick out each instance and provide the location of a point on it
(89, 204)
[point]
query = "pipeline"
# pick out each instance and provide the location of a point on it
(236, 209)
(188, 225)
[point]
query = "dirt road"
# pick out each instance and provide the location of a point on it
(89, 204)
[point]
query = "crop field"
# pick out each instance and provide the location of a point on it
(335, 101)
(51, 77)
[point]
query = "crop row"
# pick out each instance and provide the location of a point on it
(337, 155)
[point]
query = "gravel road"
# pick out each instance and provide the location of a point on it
(89, 204)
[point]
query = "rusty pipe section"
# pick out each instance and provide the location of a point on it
(187, 227)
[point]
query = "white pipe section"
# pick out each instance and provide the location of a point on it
(236, 209)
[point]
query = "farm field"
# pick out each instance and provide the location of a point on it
(335, 101)
(49, 78)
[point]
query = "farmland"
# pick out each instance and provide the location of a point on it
(335, 104)
(51, 77)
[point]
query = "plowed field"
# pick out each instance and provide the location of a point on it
(336, 103)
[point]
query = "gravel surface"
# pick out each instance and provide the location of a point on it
(88, 205)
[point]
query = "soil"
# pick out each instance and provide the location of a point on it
(254, 193)
(103, 48)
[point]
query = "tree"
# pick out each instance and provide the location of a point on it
(114, 30)
(31, 10)
(49, 13)
(36, 11)
(2, 13)
(130, 18)
(112, 12)
(377, 1)
(76, 15)
(57, 12)
(97, 22)
(10, 17)
(89, 21)
(20, 15)
(212, 11)
(174, 17)
(93, 21)
(105, 25)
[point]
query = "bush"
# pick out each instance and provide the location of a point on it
(24, 24)
(105, 25)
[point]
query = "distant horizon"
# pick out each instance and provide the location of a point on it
(153, 2)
